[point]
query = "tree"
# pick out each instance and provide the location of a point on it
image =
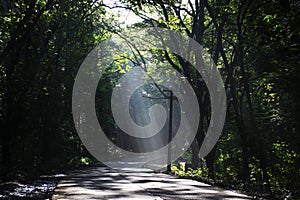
(254, 44)
(42, 46)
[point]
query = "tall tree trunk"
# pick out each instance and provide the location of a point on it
(245, 170)
(195, 156)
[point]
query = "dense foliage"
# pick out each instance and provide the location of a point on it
(42, 45)
(255, 45)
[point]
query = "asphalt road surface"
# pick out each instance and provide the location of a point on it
(100, 182)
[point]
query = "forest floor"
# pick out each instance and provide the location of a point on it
(99, 182)
(24, 186)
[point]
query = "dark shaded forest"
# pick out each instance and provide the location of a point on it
(254, 43)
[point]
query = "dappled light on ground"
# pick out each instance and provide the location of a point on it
(130, 183)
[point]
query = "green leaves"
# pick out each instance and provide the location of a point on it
(7, 19)
(269, 18)
(42, 3)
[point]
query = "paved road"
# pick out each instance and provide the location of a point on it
(134, 183)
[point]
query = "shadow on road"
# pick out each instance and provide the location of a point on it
(106, 183)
